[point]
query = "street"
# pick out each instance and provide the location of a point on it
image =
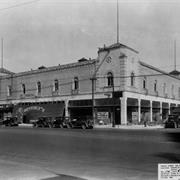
(75, 154)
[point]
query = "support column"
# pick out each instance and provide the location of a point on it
(139, 110)
(66, 108)
(169, 111)
(124, 110)
(151, 112)
(161, 110)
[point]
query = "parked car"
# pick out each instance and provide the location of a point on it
(61, 122)
(173, 121)
(80, 122)
(10, 121)
(43, 122)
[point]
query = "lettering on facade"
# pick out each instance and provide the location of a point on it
(36, 108)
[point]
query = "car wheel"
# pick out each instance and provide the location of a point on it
(83, 126)
(68, 126)
(61, 126)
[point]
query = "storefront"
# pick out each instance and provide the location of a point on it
(6, 111)
(105, 110)
(28, 112)
(132, 110)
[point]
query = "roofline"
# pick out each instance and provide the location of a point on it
(116, 47)
(53, 68)
(157, 69)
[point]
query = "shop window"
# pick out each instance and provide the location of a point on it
(132, 79)
(155, 86)
(39, 87)
(9, 90)
(110, 79)
(23, 88)
(56, 85)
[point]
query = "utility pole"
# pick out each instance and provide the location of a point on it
(113, 122)
(2, 53)
(174, 54)
(93, 79)
(117, 21)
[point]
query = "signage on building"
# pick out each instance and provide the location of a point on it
(134, 116)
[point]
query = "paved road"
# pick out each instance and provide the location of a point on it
(52, 154)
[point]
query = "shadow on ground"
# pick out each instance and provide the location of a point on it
(63, 177)
(171, 157)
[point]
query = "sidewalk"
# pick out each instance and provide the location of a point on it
(129, 126)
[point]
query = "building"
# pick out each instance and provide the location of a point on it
(116, 87)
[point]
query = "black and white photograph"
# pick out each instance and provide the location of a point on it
(89, 89)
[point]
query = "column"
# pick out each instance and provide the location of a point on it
(169, 111)
(139, 110)
(66, 108)
(124, 110)
(151, 112)
(161, 110)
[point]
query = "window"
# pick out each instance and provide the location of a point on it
(56, 85)
(9, 90)
(164, 88)
(76, 83)
(144, 83)
(132, 79)
(110, 79)
(172, 90)
(39, 87)
(155, 85)
(23, 88)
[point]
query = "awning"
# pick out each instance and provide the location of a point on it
(132, 102)
(145, 104)
(156, 105)
(165, 105)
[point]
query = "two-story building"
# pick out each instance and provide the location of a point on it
(116, 87)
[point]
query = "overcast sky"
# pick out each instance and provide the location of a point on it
(52, 32)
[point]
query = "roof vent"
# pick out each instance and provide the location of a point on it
(41, 67)
(82, 60)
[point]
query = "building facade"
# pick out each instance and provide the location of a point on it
(116, 88)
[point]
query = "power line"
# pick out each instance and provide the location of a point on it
(69, 81)
(18, 5)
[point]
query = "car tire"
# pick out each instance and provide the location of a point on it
(61, 126)
(68, 126)
(83, 126)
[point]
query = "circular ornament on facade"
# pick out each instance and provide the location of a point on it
(108, 60)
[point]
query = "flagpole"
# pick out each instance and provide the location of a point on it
(117, 21)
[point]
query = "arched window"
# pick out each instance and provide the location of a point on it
(110, 79)
(39, 87)
(76, 83)
(144, 83)
(56, 85)
(132, 79)
(155, 85)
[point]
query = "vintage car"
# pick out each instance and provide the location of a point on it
(80, 122)
(173, 121)
(61, 122)
(10, 121)
(43, 122)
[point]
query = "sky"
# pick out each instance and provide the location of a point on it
(53, 32)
